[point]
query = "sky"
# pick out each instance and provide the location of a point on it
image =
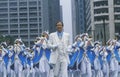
(67, 16)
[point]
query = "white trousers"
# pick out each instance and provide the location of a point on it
(60, 68)
(18, 68)
(3, 71)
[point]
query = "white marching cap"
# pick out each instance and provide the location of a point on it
(10, 47)
(28, 48)
(38, 38)
(96, 42)
(45, 32)
(20, 40)
(84, 34)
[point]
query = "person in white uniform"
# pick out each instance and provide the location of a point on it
(59, 42)
(18, 47)
(3, 71)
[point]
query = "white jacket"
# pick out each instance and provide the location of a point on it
(55, 44)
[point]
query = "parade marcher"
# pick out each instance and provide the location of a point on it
(86, 70)
(43, 63)
(97, 64)
(74, 55)
(30, 69)
(113, 66)
(19, 57)
(9, 59)
(3, 71)
(105, 65)
(59, 56)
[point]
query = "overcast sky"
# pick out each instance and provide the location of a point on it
(67, 16)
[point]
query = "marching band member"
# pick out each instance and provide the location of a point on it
(74, 55)
(44, 64)
(86, 70)
(97, 64)
(113, 66)
(3, 71)
(11, 55)
(30, 56)
(8, 59)
(105, 65)
(19, 57)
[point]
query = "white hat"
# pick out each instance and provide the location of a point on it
(96, 42)
(45, 32)
(10, 47)
(19, 40)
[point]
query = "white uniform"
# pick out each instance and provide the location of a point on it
(18, 66)
(59, 56)
(3, 71)
(43, 64)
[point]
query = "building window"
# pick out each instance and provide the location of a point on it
(101, 10)
(13, 20)
(100, 3)
(14, 15)
(3, 4)
(23, 9)
(3, 20)
(13, 3)
(117, 17)
(33, 20)
(23, 20)
(23, 14)
(3, 10)
(23, 4)
(13, 26)
(117, 28)
(23, 25)
(117, 9)
(33, 9)
(100, 18)
(13, 9)
(116, 2)
(32, 3)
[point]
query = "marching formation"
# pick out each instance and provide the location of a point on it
(87, 58)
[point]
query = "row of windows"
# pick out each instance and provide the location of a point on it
(13, 4)
(21, 9)
(101, 18)
(100, 3)
(21, 15)
(101, 10)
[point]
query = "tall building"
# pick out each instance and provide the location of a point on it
(54, 13)
(27, 19)
(101, 15)
(105, 15)
(78, 17)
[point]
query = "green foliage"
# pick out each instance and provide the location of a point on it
(8, 39)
